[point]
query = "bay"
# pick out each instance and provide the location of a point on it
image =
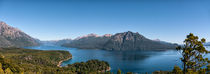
(127, 61)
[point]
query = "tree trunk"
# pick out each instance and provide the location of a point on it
(184, 68)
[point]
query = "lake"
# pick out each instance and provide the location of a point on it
(127, 61)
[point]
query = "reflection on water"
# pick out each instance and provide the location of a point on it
(133, 61)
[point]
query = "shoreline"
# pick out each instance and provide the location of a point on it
(109, 69)
(60, 62)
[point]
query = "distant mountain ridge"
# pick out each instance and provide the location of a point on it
(93, 35)
(56, 42)
(207, 44)
(163, 42)
(120, 41)
(90, 41)
(13, 37)
(73, 42)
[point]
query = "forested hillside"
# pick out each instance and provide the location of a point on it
(18, 60)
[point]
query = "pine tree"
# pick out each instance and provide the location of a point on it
(119, 71)
(0, 65)
(177, 70)
(193, 53)
(1, 70)
(8, 71)
(208, 68)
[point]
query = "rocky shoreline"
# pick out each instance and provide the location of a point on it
(60, 62)
(109, 69)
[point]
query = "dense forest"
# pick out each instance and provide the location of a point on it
(18, 60)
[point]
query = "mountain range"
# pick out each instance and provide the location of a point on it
(56, 42)
(120, 41)
(90, 41)
(13, 37)
(207, 44)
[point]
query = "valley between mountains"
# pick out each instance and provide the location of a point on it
(13, 37)
(125, 47)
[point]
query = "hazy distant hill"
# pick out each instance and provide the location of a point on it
(120, 41)
(90, 41)
(56, 42)
(164, 42)
(207, 44)
(13, 37)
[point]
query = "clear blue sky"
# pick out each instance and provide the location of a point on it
(167, 20)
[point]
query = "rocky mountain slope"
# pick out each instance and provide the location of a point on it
(134, 41)
(120, 41)
(13, 37)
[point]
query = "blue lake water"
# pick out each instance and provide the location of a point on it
(127, 61)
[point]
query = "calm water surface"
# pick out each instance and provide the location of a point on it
(127, 61)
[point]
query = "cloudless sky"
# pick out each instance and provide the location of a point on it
(167, 20)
